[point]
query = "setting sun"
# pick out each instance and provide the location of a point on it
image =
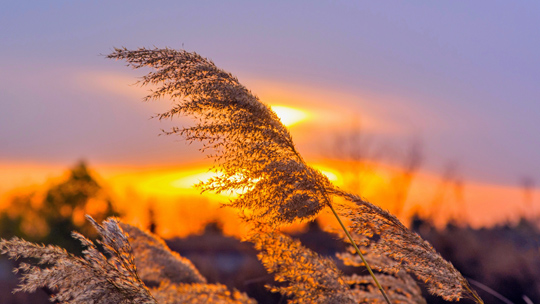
(289, 116)
(189, 182)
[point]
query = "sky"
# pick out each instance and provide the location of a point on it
(461, 78)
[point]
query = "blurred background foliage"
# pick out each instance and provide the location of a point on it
(50, 216)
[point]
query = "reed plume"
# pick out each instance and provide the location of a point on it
(407, 248)
(309, 277)
(401, 287)
(255, 156)
(113, 277)
(92, 278)
(156, 263)
(198, 293)
(254, 153)
(172, 278)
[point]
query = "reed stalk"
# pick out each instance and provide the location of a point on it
(360, 254)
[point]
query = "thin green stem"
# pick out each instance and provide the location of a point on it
(360, 254)
(486, 288)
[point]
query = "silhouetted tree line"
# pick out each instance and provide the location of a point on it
(50, 217)
(504, 258)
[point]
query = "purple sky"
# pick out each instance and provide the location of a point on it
(464, 77)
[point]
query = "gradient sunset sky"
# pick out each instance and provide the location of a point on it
(462, 78)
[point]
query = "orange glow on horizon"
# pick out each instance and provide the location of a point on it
(178, 181)
(181, 210)
(191, 180)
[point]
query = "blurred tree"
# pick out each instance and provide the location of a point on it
(527, 184)
(360, 152)
(362, 155)
(50, 217)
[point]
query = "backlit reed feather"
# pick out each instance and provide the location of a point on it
(254, 153)
(409, 250)
(197, 293)
(399, 285)
(156, 263)
(255, 157)
(96, 279)
(92, 278)
(173, 278)
(309, 278)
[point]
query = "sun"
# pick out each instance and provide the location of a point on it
(288, 115)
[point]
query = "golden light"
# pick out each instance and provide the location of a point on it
(172, 182)
(190, 181)
(289, 116)
(332, 175)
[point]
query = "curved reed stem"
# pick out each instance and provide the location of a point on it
(487, 289)
(360, 254)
